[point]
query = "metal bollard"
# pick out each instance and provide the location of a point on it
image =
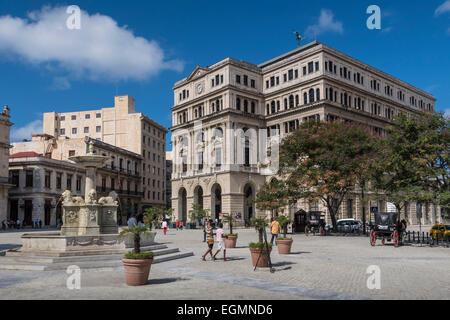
(414, 237)
(409, 237)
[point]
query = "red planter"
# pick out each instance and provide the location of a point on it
(263, 259)
(284, 246)
(230, 242)
(137, 271)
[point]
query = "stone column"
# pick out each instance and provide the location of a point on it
(90, 181)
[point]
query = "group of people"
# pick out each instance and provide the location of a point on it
(220, 239)
(179, 225)
(138, 221)
(11, 224)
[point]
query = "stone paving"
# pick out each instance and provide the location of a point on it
(318, 268)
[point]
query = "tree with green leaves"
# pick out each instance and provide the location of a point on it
(415, 160)
(229, 219)
(259, 223)
(272, 197)
(320, 161)
(284, 222)
(197, 212)
(154, 214)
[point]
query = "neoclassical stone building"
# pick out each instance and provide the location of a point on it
(227, 116)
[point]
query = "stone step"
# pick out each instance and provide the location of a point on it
(50, 260)
(97, 264)
(87, 252)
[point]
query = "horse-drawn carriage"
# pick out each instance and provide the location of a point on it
(315, 222)
(386, 228)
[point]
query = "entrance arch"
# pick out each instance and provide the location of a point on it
(198, 196)
(249, 206)
(182, 205)
(216, 201)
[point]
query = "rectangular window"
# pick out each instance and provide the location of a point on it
(87, 116)
(74, 130)
(272, 81)
(69, 182)
(238, 79)
(86, 129)
(304, 71)
(311, 67)
(63, 118)
(47, 179)
(245, 80)
(63, 131)
(253, 83)
(291, 74)
(317, 66)
(78, 183)
(296, 74)
(98, 129)
(98, 115)
(74, 117)
(29, 179)
(71, 153)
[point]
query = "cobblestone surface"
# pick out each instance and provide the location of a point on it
(318, 268)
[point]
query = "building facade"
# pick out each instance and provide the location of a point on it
(226, 115)
(123, 127)
(41, 171)
(5, 185)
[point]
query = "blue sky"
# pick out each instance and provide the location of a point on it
(142, 48)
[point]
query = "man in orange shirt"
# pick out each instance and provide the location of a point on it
(274, 229)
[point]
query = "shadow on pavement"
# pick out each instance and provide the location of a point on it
(165, 280)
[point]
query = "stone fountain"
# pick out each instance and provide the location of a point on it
(89, 237)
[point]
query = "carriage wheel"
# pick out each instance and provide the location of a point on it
(383, 242)
(373, 238)
(322, 231)
(396, 239)
(307, 231)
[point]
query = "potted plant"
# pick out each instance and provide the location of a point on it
(197, 213)
(258, 250)
(284, 244)
(136, 263)
(231, 238)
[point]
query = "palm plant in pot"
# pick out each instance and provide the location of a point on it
(258, 250)
(284, 243)
(231, 238)
(197, 213)
(136, 263)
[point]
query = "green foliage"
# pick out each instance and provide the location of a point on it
(321, 161)
(272, 196)
(415, 160)
(284, 238)
(229, 219)
(197, 213)
(139, 256)
(231, 235)
(155, 214)
(259, 245)
(136, 233)
(284, 222)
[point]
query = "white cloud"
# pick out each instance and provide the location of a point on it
(326, 23)
(60, 83)
(443, 8)
(25, 132)
(100, 50)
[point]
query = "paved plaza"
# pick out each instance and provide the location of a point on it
(318, 268)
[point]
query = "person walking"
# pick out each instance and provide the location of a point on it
(18, 224)
(177, 224)
(181, 225)
(204, 229)
(221, 242)
(274, 229)
(164, 226)
(210, 242)
(132, 222)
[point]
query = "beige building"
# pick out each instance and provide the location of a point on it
(226, 115)
(123, 127)
(40, 171)
(5, 125)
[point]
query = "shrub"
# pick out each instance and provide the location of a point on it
(139, 256)
(258, 245)
(284, 238)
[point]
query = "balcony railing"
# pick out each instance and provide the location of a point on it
(120, 192)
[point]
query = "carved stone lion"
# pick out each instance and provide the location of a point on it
(110, 200)
(68, 199)
(92, 197)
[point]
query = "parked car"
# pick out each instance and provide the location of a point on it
(440, 230)
(349, 226)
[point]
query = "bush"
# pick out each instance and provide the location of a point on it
(258, 245)
(231, 235)
(283, 238)
(139, 256)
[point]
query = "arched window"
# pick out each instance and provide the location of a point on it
(311, 96)
(291, 101)
(238, 104)
(331, 94)
(285, 104)
(318, 94)
(278, 106)
(268, 109)
(253, 107)
(218, 105)
(345, 98)
(305, 98)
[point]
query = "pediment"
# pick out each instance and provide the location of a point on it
(197, 73)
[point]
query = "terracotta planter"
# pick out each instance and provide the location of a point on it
(284, 246)
(230, 242)
(137, 271)
(263, 260)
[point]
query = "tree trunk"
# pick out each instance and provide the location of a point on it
(260, 235)
(231, 227)
(137, 243)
